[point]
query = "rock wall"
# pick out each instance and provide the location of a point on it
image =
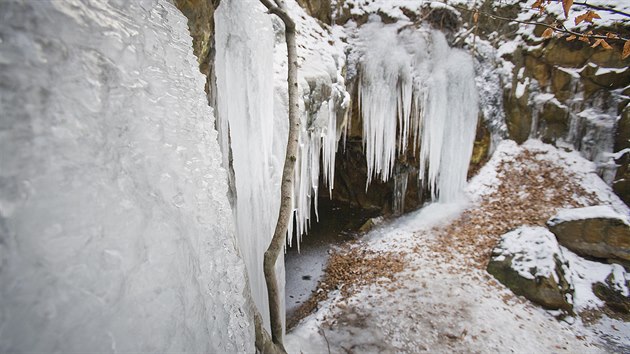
(319, 9)
(564, 92)
(200, 15)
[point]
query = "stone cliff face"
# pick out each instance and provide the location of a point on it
(320, 9)
(565, 93)
(200, 15)
(561, 92)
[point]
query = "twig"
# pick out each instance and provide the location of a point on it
(602, 8)
(327, 343)
(558, 29)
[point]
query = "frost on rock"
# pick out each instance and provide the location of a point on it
(534, 251)
(416, 92)
(115, 230)
(592, 212)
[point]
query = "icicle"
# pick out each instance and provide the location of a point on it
(413, 87)
(244, 71)
(400, 191)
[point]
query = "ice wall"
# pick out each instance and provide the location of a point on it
(252, 111)
(245, 109)
(416, 93)
(115, 231)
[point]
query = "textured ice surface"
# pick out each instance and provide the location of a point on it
(115, 230)
(244, 69)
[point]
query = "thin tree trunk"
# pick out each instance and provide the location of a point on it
(278, 8)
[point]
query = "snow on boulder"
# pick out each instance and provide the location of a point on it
(529, 261)
(597, 231)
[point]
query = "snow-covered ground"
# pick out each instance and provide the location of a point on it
(444, 300)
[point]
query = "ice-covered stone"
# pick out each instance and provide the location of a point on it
(115, 230)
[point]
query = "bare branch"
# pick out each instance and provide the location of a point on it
(560, 28)
(278, 8)
(602, 8)
(285, 213)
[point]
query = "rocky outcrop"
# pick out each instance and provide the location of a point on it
(563, 91)
(200, 15)
(530, 263)
(319, 9)
(593, 232)
(621, 184)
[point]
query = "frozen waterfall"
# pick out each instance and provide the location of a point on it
(116, 234)
(417, 93)
(253, 126)
(245, 109)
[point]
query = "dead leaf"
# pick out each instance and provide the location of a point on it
(548, 33)
(588, 16)
(566, 4)
(597, 42)
(606, 45)
(476, 16)
(612, 35)
(571, 37)
(626, 50)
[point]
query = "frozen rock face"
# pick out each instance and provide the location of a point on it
(115, 229)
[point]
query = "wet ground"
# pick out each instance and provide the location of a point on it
(339, 223)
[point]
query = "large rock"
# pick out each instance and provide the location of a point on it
(596, 231)
(614, 290)
(529, 261)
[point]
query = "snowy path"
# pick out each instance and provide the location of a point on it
(443, 300)
(433, 307)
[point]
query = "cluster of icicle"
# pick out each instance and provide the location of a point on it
(411, 75)
(415, 76)
(318, 143)
(253, 126)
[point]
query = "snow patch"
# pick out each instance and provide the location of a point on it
(535, 250)
(592, 212)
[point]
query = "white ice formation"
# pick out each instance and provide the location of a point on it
(116, 234)
(417, 93)
(253, 123)
(245, 111)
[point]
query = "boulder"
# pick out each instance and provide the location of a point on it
(529, 261)
(597, 231)
(614, 291)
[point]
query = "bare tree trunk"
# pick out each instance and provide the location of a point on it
(278, 8)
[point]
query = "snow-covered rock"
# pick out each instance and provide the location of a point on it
(597, 231)
(115, 230)
(529, 261)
